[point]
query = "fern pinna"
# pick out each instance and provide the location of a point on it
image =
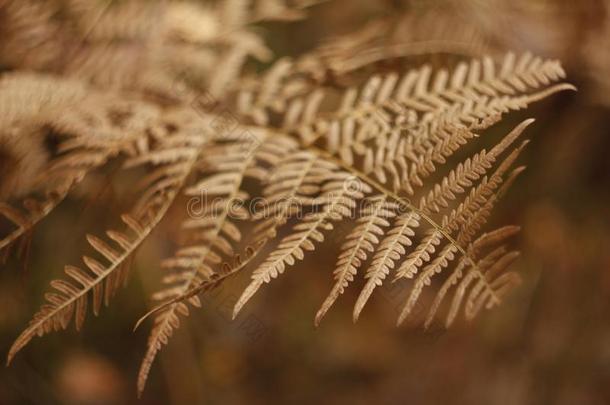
(385, 158)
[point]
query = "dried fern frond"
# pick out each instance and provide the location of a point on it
(419, 105)
(310, 187)
(379, 155)
(175, 156)
(413, 116)
(400, 130)
(472, 91)
(70, 298)
(212, 230)
(336, 202)
(360, 242)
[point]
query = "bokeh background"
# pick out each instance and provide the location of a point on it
(548, 344)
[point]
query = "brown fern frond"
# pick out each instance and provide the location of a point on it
(213, 231)
(320, 146)
(446, 191)
(384, 105)
(292, 186)
(440, 120)
(336, 202)
(101, 278)
(463, 218)
(391, 249)
(486, 240)
(70, 298)
(359, 243)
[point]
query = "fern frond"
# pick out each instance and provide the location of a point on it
(405, 113)
(213, 231)
(486, 240)
(424, 252)
(336, 202)
(312, 138)
(391, 249)
(70, 298)
(480, 88)
(292, 186)
(360, 242)
(481, 200)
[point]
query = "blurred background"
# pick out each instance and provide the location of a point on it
(549, 343)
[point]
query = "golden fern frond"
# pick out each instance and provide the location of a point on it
(317, 174)
(102, 278)
(293, 184)
(390, 250)
(359, 243)
(70, 298)
(486, 240)
(425, 103)
(399, 129)
(462, 218)
(336, 202)
(392, 247)
(475, 90)
(213, 231)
